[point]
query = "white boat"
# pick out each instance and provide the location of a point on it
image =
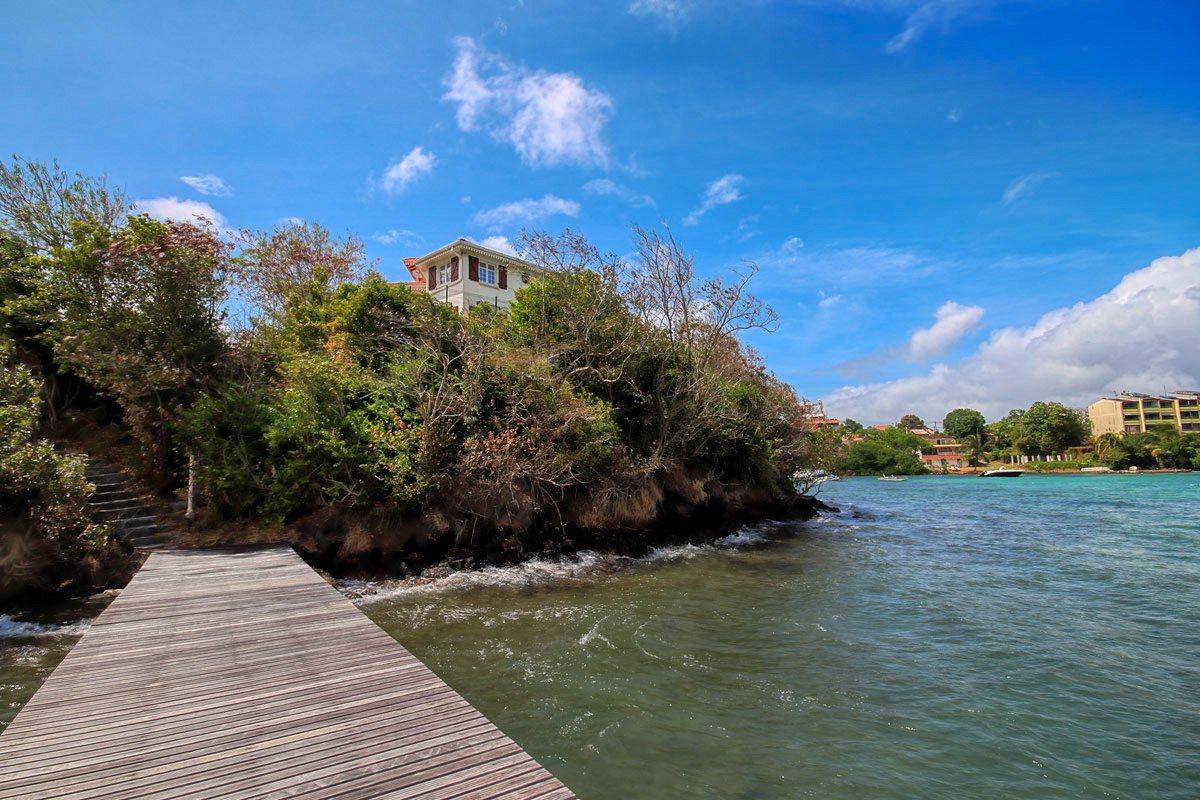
(891, 478)
(1003, 473)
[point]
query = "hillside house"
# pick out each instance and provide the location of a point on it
(464, 274)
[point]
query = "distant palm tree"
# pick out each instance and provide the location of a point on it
(1105, 446)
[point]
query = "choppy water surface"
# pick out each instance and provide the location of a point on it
(33, 642)
(940, 638)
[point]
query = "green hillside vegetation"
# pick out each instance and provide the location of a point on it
(316, 396)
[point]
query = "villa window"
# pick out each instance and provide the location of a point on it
(487, 274)
(443, 274)
(524, 277)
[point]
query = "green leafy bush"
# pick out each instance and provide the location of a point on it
(43, 493)
(892, 451)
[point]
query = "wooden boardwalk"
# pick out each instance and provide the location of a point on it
(236, 675)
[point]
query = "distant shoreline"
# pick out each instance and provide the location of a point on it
(979, 472)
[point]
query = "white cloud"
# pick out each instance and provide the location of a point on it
(1141, 335)
(605, 186)
(793, 264)
(179, 210)
(828, 301)
(290, 222)
(397, 236)
(791, 246)
(670, 13)
(1024, 185)
(550, 118)
(500, 243)
(401, 174)
(526, 211)
(723, 191)
(953, 115)
(952, 321)
(935, 15)
(208, 184)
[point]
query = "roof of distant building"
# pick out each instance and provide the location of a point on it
(502, 259)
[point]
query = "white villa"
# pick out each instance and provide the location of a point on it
(464, 274)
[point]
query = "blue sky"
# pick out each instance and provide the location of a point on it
(941, 194)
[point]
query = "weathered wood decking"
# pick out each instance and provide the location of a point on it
(223, 676)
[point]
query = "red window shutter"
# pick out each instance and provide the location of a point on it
(454, 269)
(502, 277)
(473, 268)
(433, 277)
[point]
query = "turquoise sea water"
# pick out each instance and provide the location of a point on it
(937, 638)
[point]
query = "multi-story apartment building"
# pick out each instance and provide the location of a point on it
(1131, 412)
(464, 274)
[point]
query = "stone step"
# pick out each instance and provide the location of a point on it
(132, 523)
(116, 502)
(124, 515)
(147, 544)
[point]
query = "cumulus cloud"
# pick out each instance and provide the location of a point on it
(1025, 185)
(208, 185)
(931, 15)
(723, 191)
(526, 211)
(550, 118)
(605, 186)
(180, 210)
(670, 13)
(401, 174)
(397, 236)
(1140, 335)
(500, 243)
(952, 321)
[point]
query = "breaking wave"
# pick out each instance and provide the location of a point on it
(584, 565)
(16, 629)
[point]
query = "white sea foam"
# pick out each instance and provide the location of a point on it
(584, 565)
(16, 629)
(536, 571)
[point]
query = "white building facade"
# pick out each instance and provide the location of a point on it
(464, 274)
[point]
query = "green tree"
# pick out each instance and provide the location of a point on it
(1006, 431)
(852, 426)
(1049, 429)
(892, 451)
(910, 422)
(970, 428)
(142, 322)
(963, 422)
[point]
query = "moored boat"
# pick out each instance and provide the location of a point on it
(1003, 473)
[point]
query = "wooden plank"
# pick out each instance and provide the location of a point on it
(233, 675)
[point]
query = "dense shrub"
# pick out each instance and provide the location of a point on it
(892, 451)
(379, 398)
(44, 522)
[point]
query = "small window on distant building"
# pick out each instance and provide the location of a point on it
(443, 274)
(487, 274)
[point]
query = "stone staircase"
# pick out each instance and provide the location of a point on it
(115, 504)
